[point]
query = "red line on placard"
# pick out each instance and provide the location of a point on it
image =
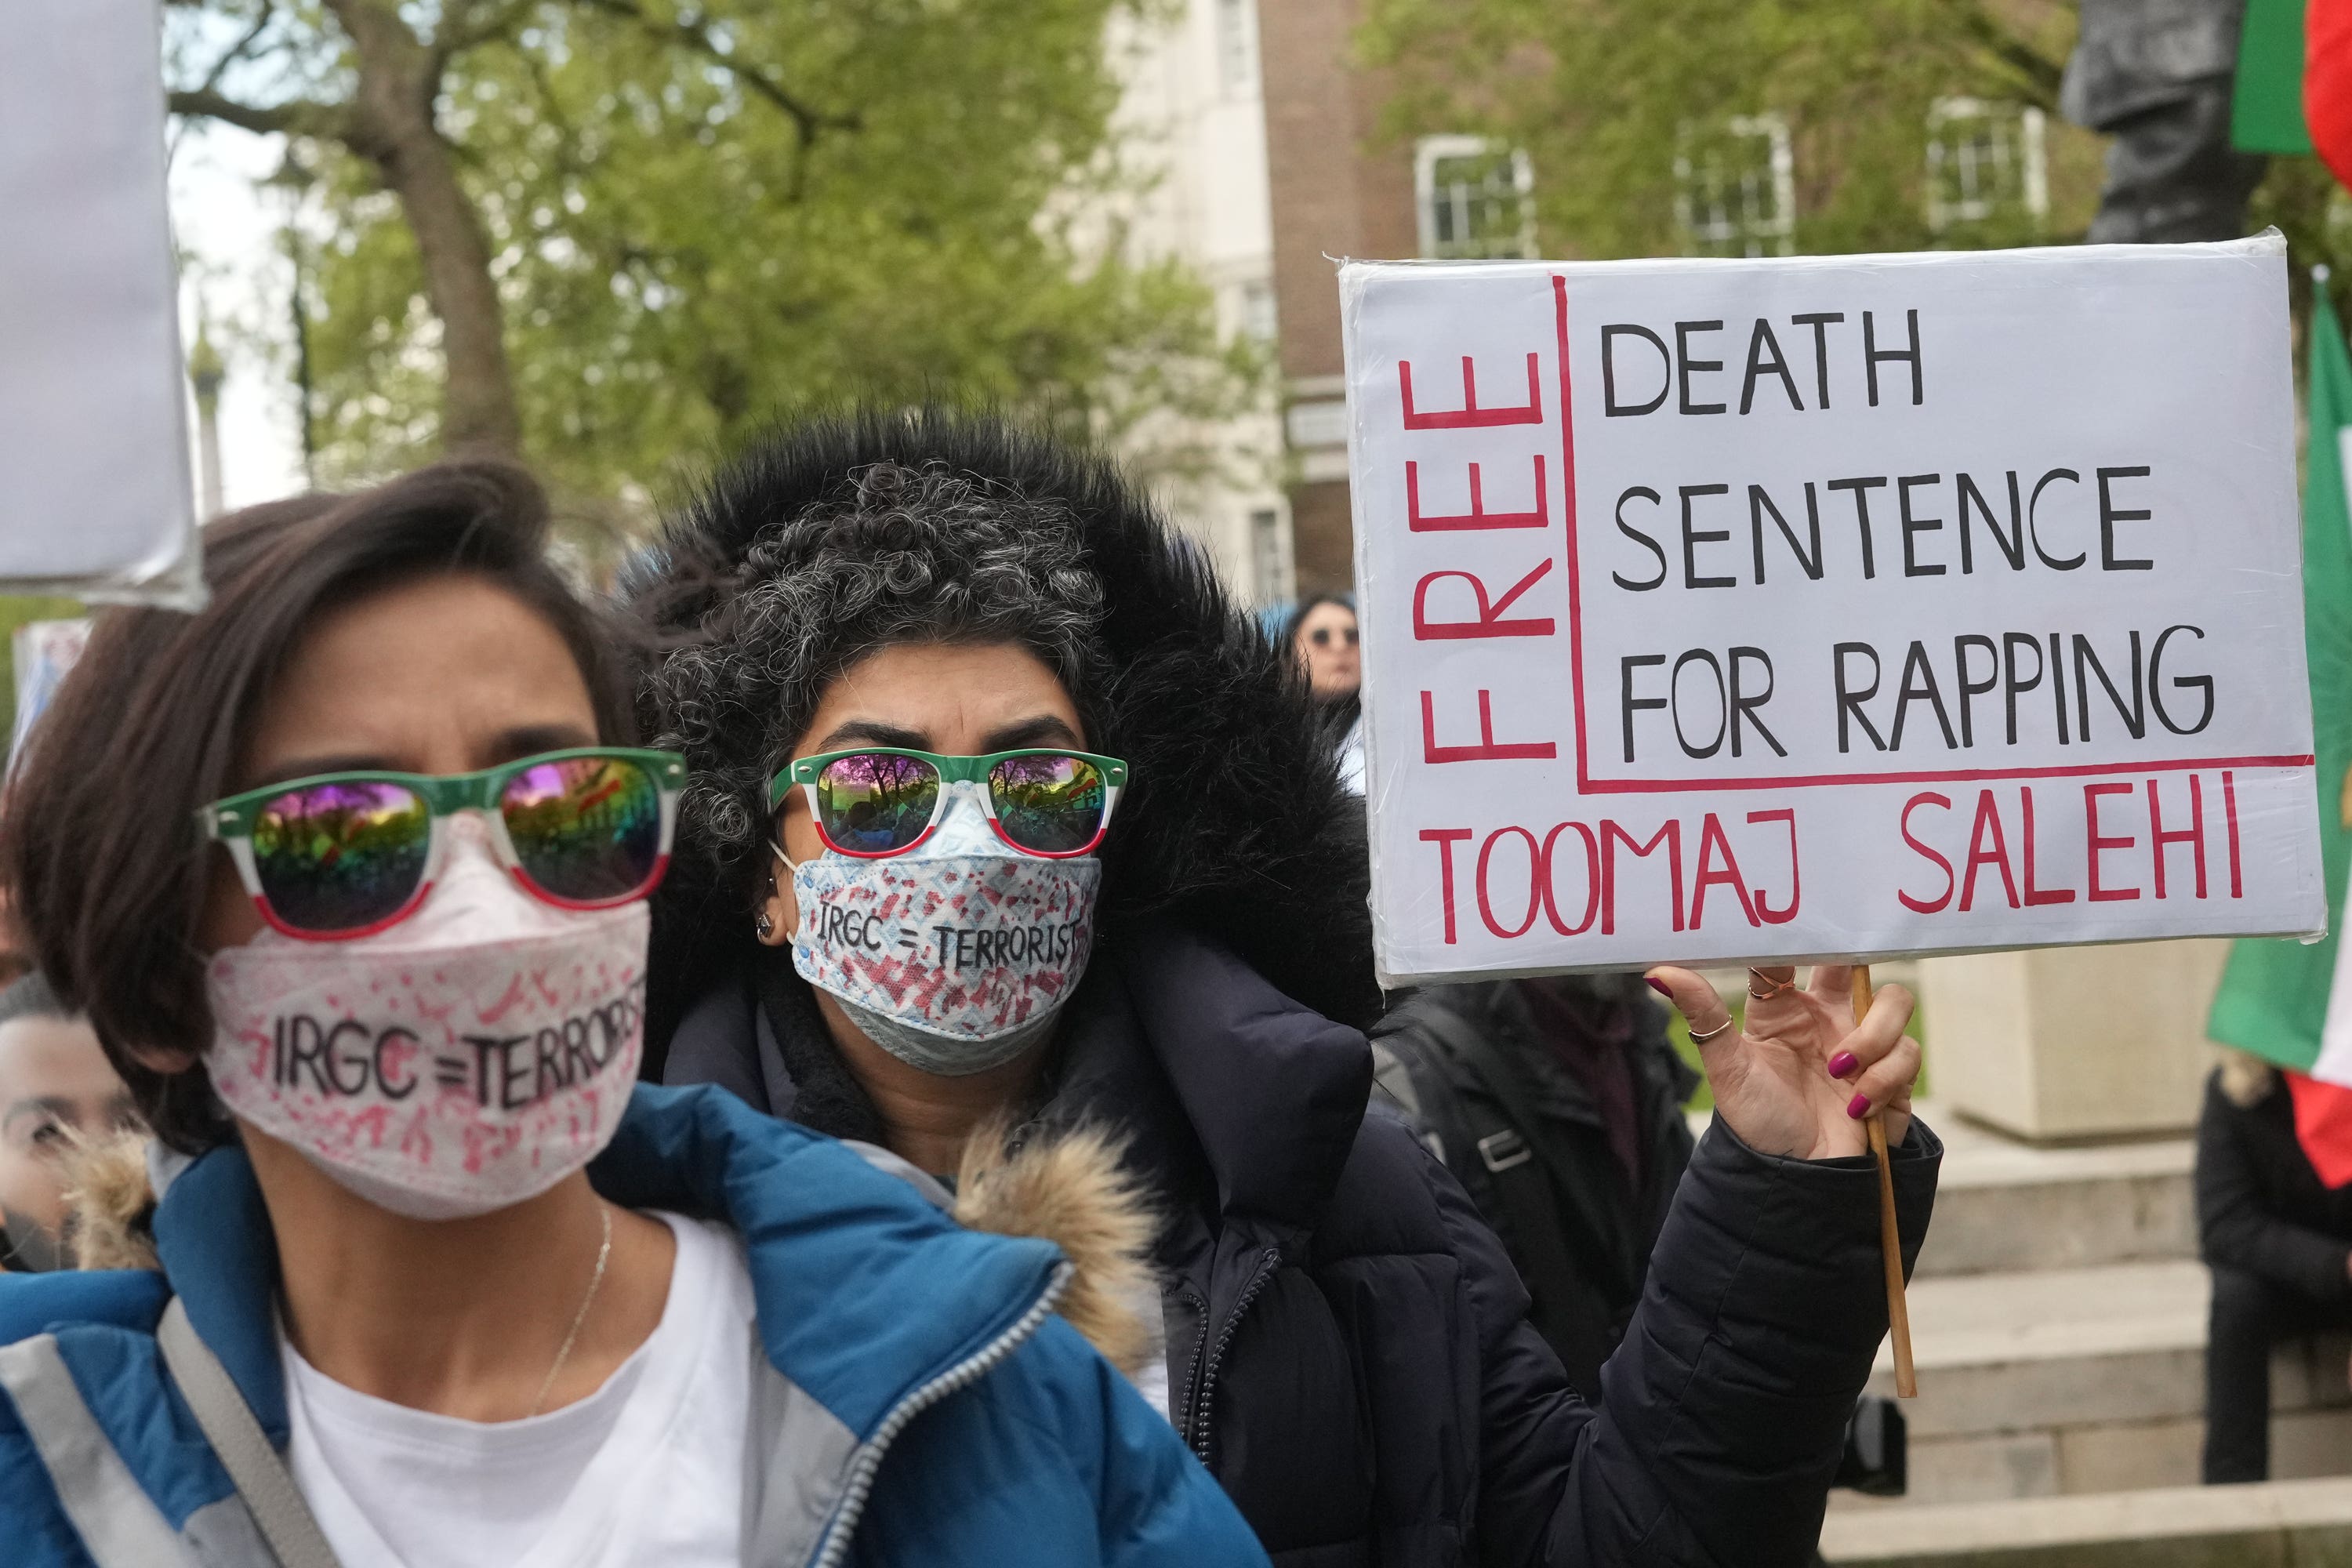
(1952, 775)
(1568, 484)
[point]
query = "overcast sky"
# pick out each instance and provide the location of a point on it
(234, 271)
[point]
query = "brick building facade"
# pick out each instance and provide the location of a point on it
(1337, 188)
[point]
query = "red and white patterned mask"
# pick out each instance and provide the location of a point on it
(954, 956)
(466, 1059)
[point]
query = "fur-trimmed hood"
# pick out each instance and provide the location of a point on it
(1234, 824)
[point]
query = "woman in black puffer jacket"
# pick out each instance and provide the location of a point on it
(1347, 1344)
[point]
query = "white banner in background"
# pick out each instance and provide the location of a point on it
(94, 486)
(1829, 607)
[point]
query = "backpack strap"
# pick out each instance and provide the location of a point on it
(253, 1463)
(1522, 1182)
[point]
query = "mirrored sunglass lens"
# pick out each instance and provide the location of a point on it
(1053, 804)
(876, 802)
(337, 856)
(585, 828)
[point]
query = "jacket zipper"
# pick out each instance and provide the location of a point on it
(1265, 1263)
(1199, 1304)
(834, 1547)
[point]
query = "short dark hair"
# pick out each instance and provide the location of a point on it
(99, 840)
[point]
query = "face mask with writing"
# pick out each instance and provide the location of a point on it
(954, 956)
(457, 1063)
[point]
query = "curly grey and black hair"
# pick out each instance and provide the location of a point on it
(830, 539)
(895, 554)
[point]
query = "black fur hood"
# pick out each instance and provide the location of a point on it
(1234, 822)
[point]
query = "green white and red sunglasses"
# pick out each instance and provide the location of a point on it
(346, 855)
(877, 801)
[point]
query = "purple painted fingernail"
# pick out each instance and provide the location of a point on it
(1660, 986)
(1858, 1106)
(1842, 1063)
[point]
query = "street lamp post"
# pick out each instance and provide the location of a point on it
(206, 373)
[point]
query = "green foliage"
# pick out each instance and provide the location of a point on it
(1608, 96)
(680, 253)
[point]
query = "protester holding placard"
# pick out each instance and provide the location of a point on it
(1001, 810)
(350, 870)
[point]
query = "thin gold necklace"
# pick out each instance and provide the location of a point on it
(604, 1256)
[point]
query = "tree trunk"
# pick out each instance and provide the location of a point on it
(392, 126)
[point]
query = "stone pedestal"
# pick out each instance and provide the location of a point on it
(2070, 1043)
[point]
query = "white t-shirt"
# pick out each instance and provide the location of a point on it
(649, 1469)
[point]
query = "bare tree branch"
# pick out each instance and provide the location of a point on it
(242, 48)
(695, 36)
(300, 117)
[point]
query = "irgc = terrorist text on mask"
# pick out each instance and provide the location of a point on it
(349, 1057)
(948, 946)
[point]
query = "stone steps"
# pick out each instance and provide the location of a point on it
(2278, 1524)
(2056, 1380)
(2003, 1207)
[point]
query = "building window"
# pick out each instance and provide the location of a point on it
(1236, 47)
(1258, 320)
(1477, 199)
(1984, 164)
(1735, 188)
(1269, 563)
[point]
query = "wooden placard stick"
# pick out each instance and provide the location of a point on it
(1890, 1235)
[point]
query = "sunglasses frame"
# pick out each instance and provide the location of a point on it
(952, 770)
(230, 822)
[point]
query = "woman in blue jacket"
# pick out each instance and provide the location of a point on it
(349, 870)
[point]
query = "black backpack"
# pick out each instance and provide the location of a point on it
(1579, 1253)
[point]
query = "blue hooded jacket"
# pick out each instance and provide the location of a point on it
(926, 1408)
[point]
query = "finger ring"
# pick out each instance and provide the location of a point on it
(1772, 987)
(1699, 1039)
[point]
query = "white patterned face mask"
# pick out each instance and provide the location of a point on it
(955, 955)
(462, 1061)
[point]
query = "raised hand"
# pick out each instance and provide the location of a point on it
(1798, 1075)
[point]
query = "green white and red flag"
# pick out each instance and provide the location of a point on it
(2284, 1001)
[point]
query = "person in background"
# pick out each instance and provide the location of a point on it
(56, 1091)
(1323, 637)
(1558, 1103)
(349, 869)
(1003, 814)
(2278, 1241)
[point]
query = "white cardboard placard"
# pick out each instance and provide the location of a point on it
(1832, 608)
(94, 479)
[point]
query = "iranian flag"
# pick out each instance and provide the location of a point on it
(2281, 1000)
(2278, 45)
(2292, 90)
